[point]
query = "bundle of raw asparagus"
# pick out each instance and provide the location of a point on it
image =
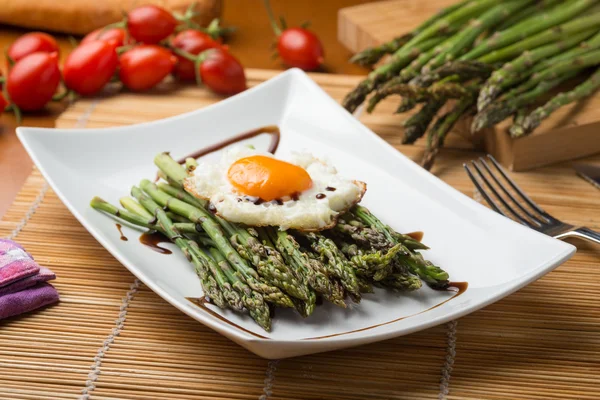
(491, 58)
(256, 268)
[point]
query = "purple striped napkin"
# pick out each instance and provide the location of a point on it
(23, 284)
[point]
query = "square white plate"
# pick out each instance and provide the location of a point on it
(494, 255)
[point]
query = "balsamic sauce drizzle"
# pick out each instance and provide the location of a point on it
(123, 237)
(152, 239)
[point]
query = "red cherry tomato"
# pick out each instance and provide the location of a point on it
(144, 66)
(30, 43)
(150, 24)
(90, 66)
(3, 103)
(33, 80)
(118, 35)
(193, 42)
(222, 72)
(299, 47)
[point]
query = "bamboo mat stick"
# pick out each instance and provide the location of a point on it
(543, 342)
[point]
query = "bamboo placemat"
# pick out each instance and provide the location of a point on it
(112, 338)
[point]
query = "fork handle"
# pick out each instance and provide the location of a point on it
(584, 233)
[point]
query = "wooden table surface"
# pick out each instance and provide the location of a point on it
(251, 44)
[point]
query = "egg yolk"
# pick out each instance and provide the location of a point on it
(268, 178)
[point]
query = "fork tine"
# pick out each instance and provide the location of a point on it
(487, 198)
(509, 194)
(507, 206)
(518, 190)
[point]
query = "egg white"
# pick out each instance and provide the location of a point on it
(306, 212)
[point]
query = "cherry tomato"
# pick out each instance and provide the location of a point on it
(299, 47)
(30, 43)
(144, 66)
(33, 80)
(3, 103)
(150, 24)
(222, 72)
(90, 66)
(119, 35)
(193, 42)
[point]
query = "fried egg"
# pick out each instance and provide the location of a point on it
(255, 188)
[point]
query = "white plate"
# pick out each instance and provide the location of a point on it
(493, 254)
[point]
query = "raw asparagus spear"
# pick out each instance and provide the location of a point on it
(442, 127)
(592, 43)
(554, 34)
(416, 126)
(523, 15)
(448, 90)
(399, 60)
(451, 49)
(458, 69)
(372, 55)
(525, 29)
(534, 119)
(497, 112)
(591, 58)
(202, 217)
(461, 14)
(516, 70)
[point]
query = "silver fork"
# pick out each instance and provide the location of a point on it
(519, 206)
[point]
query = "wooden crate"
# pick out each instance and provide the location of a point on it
(571, 132)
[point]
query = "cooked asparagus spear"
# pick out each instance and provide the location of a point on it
(338, 265)
(254, 303)
(402, 282)
(290, 249)
(432, 275)
(264, 259)
(162, 223)
(202, 217)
